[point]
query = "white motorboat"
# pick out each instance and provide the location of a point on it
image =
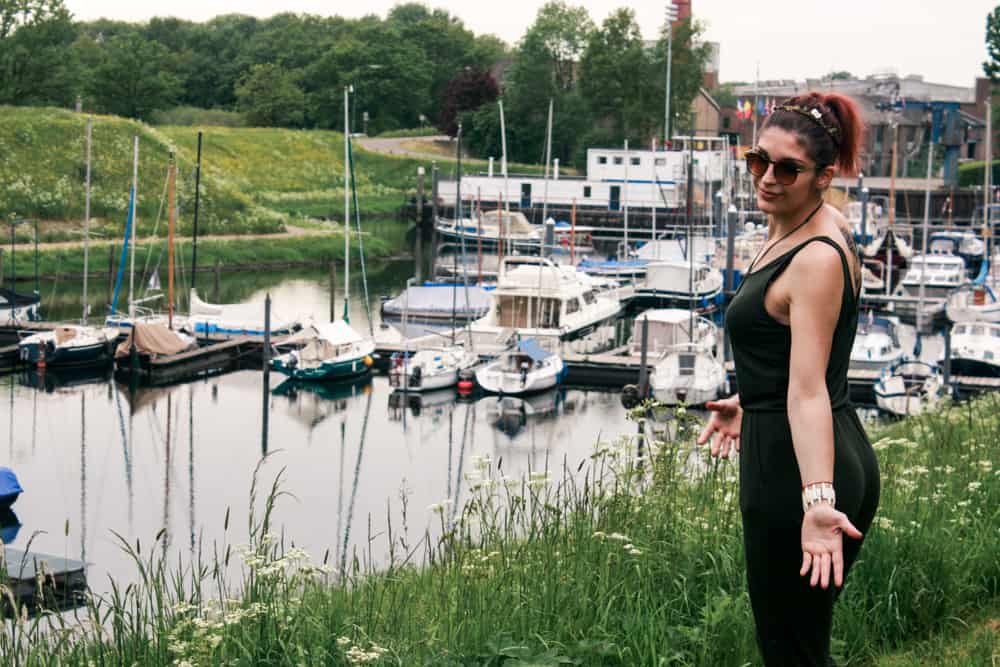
(975, 349)
(974, 303)
(966, 245)
(524, 369)
(515, 229)
(673, 283)
(209, 319)
(687, 374)
(910, 388)
(668, 327)
(536, 298)
(941, 274)
(876, 344)
(430, 369)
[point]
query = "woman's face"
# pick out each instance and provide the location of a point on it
(772, 197)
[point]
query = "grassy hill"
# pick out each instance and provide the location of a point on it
(254, 180)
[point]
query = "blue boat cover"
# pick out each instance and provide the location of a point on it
(9, 525)
(530, 347)
(10, 488)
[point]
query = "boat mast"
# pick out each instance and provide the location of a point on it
(925, 229)
(86, 221)
(171, 198)
(135, 220)
(548, 159)
(690, 240)
(347, 207)
(197, 195)
(505, 217)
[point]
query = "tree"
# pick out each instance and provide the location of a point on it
(992, 65)
(615, 74)
(34, 38)
(840, 75)
(131, 80)
(472, 88)
(269, 97)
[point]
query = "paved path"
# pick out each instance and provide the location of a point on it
(291, 231)
(402, 145)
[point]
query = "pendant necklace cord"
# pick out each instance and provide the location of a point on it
(797, 227)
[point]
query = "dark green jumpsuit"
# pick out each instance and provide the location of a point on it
(793, 619)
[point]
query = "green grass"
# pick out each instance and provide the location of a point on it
(254, 180)
(963, 644)
(412, 132)
(42, 174)
(622, 561)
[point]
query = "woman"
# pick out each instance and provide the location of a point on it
(809, 481)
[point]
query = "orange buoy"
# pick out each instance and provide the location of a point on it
(465, 387)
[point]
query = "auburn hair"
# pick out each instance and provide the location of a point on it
(834, 138)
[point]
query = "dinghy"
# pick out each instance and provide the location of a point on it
(524, 369)
(430, 369)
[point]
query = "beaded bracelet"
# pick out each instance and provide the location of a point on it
(818, 492)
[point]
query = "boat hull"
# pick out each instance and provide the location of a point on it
(975, 367)
(82, 355)
(510, 383)
(325, 372)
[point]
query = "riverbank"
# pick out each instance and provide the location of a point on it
(245, 252)
(622, 561)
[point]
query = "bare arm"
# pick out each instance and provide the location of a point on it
(814, 289)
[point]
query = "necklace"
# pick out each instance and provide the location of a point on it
(784, 236)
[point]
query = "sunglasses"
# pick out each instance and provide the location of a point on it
(785, 171)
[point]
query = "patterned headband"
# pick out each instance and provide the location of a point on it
(816, 116)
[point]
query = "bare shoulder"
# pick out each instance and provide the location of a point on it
(816, 271)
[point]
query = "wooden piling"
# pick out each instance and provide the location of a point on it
(419, 246)
(218, 279)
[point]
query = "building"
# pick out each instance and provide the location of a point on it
(963, 139)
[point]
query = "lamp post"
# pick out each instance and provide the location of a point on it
(671, 14)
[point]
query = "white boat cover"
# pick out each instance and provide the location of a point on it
(515, 221)
(247, 315)
(439, 300)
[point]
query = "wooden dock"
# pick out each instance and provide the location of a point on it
(64, 582)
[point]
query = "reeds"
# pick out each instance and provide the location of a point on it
(631, 557)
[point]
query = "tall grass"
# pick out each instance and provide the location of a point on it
(632, 557)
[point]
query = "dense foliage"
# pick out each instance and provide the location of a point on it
(415, 67)
(606, 83)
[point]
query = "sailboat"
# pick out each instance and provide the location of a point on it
(74, 344)
(333, 351)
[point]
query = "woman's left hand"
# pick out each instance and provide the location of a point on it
(823, 545)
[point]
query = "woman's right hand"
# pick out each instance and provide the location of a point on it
(723, 426)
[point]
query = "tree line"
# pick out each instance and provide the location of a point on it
(417, 66)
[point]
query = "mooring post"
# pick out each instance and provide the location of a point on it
(266, 382)
(133, 362)
(643, 370)
(1, 267)
(111, 272)
(730, 250)
(434, 215)
(333, 291)
(419, 249)
(947, 356)
(218, 278)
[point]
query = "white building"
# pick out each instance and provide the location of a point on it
(616, 179)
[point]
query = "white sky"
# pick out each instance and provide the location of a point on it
(941, 39)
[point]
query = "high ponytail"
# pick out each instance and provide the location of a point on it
(829, 126)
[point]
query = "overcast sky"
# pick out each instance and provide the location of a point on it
(941, 39)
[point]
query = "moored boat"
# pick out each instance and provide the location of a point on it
(524, 369)
(689, 374)
(68, 345)
(332, 351)
(910, 388)
(430, 369)
(975, 349)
